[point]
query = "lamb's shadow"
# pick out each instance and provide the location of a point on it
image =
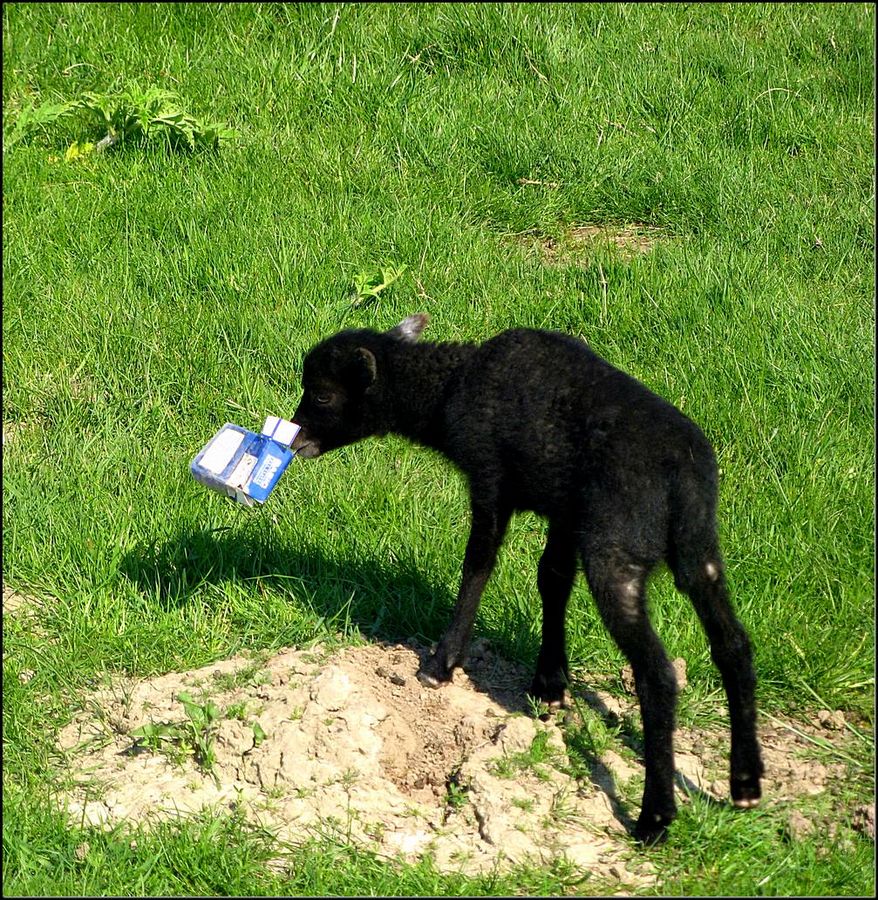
(388, 601)
(602, 776)
(599, 773)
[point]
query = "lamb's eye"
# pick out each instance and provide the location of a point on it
(322, 399)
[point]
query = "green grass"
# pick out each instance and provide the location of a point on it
(151, 295)
(532, 759)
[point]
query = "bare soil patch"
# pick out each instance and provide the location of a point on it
(579, 244)
(13, 602)
(13, 430)
(350, 742)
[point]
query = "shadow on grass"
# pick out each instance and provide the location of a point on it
(173, 572)
(387, 602)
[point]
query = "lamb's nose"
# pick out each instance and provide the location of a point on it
(301, 437)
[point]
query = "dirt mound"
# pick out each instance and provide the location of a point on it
(350, 742)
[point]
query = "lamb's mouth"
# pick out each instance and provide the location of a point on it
(305, 446)
(308, 449)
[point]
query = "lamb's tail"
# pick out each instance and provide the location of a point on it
(693, 543)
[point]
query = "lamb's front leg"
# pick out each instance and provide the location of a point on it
(489, 523)
(555, 581)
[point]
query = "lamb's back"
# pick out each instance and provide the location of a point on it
(541, 413)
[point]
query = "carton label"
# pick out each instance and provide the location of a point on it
(263, 475)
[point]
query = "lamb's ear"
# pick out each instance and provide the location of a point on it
(410, 328)
(365, 367)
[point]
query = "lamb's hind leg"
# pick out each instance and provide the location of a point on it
(618, 587)
(555, 581)
(730, 649)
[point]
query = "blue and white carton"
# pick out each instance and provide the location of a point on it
(243, 465)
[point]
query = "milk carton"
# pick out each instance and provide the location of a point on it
(243, 465)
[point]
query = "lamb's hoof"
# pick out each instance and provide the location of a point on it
(551, 691)
(651, 830)
(429, 680)
(433, 673)
(746, 792)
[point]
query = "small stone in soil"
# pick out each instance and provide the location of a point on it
(831, 721)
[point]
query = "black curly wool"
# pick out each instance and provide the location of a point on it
(537, 421)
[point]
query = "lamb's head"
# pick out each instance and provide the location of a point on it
(341, 378)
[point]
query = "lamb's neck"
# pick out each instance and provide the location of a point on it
(417, 387)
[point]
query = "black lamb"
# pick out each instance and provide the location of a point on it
(537, 421)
